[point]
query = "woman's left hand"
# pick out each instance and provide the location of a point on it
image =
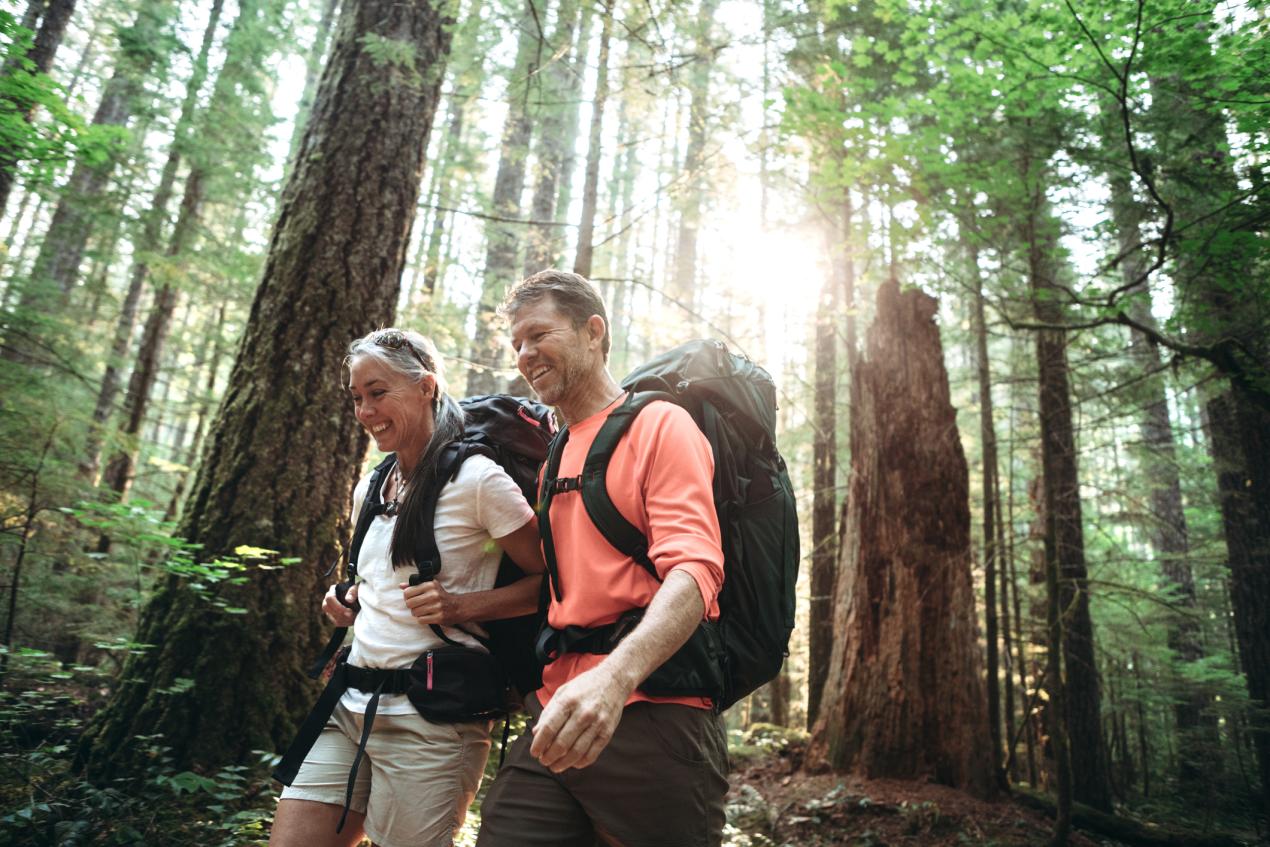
(430, 603)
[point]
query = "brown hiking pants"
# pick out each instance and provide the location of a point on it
(660, 781)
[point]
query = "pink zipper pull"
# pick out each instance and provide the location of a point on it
(429, 670)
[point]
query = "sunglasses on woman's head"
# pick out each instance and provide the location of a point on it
(395, 339)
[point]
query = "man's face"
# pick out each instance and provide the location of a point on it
(554, 357)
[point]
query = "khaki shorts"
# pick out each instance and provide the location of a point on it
(414, 783)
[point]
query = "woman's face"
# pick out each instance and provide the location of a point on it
(396, 411)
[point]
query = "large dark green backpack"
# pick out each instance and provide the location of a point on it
(733, 401)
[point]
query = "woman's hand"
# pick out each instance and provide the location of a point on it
(335, 611)
(432, 604)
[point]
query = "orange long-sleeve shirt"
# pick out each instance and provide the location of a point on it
(660, 479)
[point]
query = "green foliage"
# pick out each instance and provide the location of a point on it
(43, 801)
(37, 127)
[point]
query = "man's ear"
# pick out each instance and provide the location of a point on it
(595, 328)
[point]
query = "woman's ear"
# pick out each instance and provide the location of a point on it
(429, 386)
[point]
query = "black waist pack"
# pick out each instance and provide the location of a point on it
(457, 684)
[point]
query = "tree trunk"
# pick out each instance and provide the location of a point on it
(1241, 452)
(1064, 538)
(216, 343)
(503, 237)
(1219, 306)
(905, 696)
(682, 287)
(284, 452)
(1198, 738)
(561, 89)
(149, 243)
(824, 508)
(595, 152)
(57, 14)
(1055, 684)
(991, 516)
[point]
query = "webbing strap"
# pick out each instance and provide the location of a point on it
(344, 677)
(552, 643)
(367, 720)
(372, 506)
(312, 727)
(546, 492)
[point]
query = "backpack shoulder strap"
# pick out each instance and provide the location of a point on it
(427, 555)
(546, 491)
(372, 505)
(617, 530)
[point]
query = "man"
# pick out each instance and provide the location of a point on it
(603, 762)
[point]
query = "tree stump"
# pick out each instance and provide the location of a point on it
(905, 697)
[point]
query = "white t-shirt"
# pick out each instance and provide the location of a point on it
(482, 503)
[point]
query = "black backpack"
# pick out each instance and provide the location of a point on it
(733, 401)
(515, 433)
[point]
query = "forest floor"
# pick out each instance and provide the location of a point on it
(773, 802)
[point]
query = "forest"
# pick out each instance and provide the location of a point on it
(1006, 260)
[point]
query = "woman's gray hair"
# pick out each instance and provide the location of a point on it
(414, 356)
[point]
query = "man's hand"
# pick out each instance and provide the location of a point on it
(583, 714)
(335, 611)
(581, 718)
(432, 604)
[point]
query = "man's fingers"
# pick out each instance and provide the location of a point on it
(593, 752)
(545, 729)
(575, 752)
(564, 748)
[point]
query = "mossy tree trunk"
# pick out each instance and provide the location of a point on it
(284, 451)
(905, 697)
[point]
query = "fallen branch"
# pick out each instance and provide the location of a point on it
(1124, 829)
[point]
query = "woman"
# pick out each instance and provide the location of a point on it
(417, 778)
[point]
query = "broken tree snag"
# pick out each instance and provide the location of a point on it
(905, 697)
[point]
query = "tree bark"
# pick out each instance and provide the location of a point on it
(905, 696)
(284, 451)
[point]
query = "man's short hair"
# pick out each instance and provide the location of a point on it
(572, 294)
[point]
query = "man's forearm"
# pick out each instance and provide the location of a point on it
(668, 623)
